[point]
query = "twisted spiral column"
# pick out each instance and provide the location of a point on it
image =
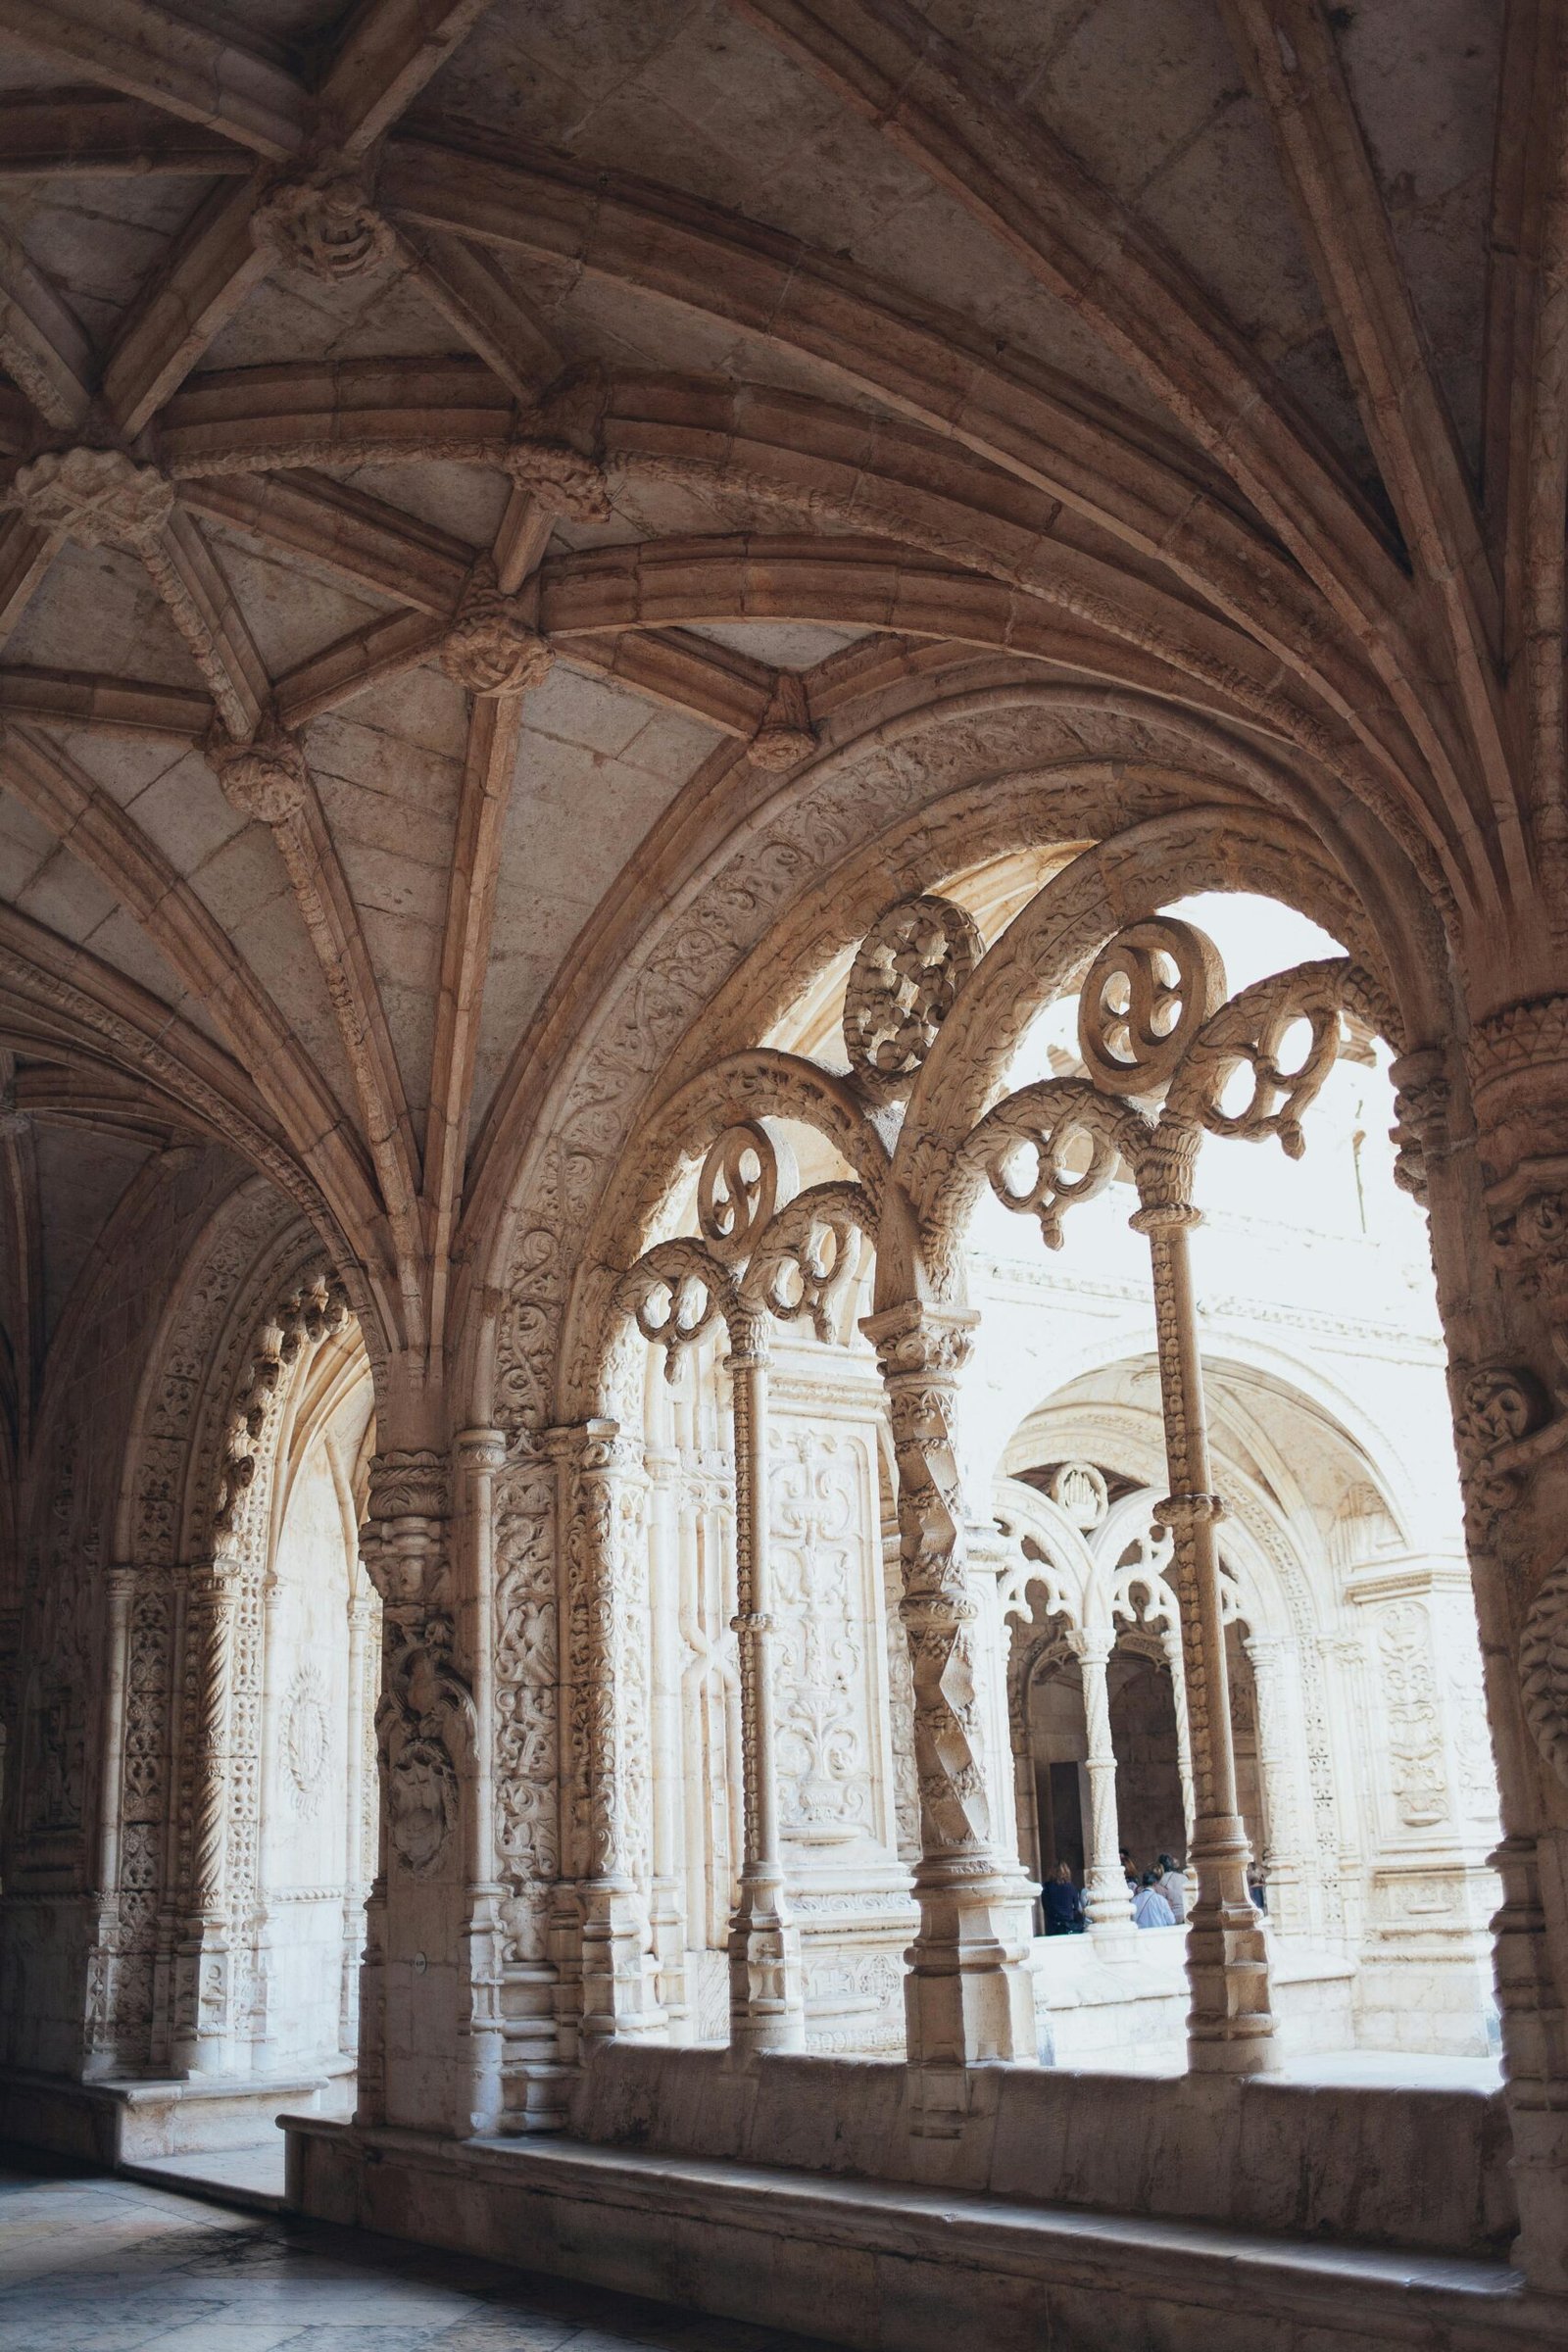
(969, 1995)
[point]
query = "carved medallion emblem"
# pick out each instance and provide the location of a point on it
(305, 1739)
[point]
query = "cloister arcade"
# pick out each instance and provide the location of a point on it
(756, 1757)
(784, 1131)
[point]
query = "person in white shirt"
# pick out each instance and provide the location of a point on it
(1173, 1887)
(1150, 1907)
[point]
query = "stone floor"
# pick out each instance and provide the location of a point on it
(93, 2263)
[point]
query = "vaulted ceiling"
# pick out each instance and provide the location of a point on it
(444, 444)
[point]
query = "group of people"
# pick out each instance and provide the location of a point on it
(1158, 1896)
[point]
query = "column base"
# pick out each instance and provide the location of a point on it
(618, 2001)
(766, 1986)
(969, 1994)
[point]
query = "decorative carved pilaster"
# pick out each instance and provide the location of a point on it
(603, 1950)
(426, 1742)
(204, 1987)
(968, 1995)
(666, 1909)
(480, 1455)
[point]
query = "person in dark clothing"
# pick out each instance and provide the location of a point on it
(1063, 1903)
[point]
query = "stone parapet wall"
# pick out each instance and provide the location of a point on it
(1373, 2166)
(910, 2268)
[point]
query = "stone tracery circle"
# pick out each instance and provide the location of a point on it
(1145, 998)
(737, 1191)
(903, 983)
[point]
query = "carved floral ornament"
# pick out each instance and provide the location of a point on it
(265, 776)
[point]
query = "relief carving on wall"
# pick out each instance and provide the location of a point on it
(1415, 1716)
(526, 1665)
(1543, 1669)
(823, 1762)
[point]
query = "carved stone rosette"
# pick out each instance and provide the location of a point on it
(325, 224)
(968, 1995)
(903, 984)
(265, 776)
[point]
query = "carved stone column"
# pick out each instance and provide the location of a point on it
(1110, 1910)
(766, 2000)
(480, 1454)
(602, 1939)
(203, 1955)
(666, 1912)
(1504, 1305)
(413, 1990)
(1230, 2023)
(969, 1994)
(1170, 1641)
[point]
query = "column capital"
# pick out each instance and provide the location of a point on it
(598, 1444)
(1092, 1646)
(917, 1340)
(480, 1450)
(409, 1483)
